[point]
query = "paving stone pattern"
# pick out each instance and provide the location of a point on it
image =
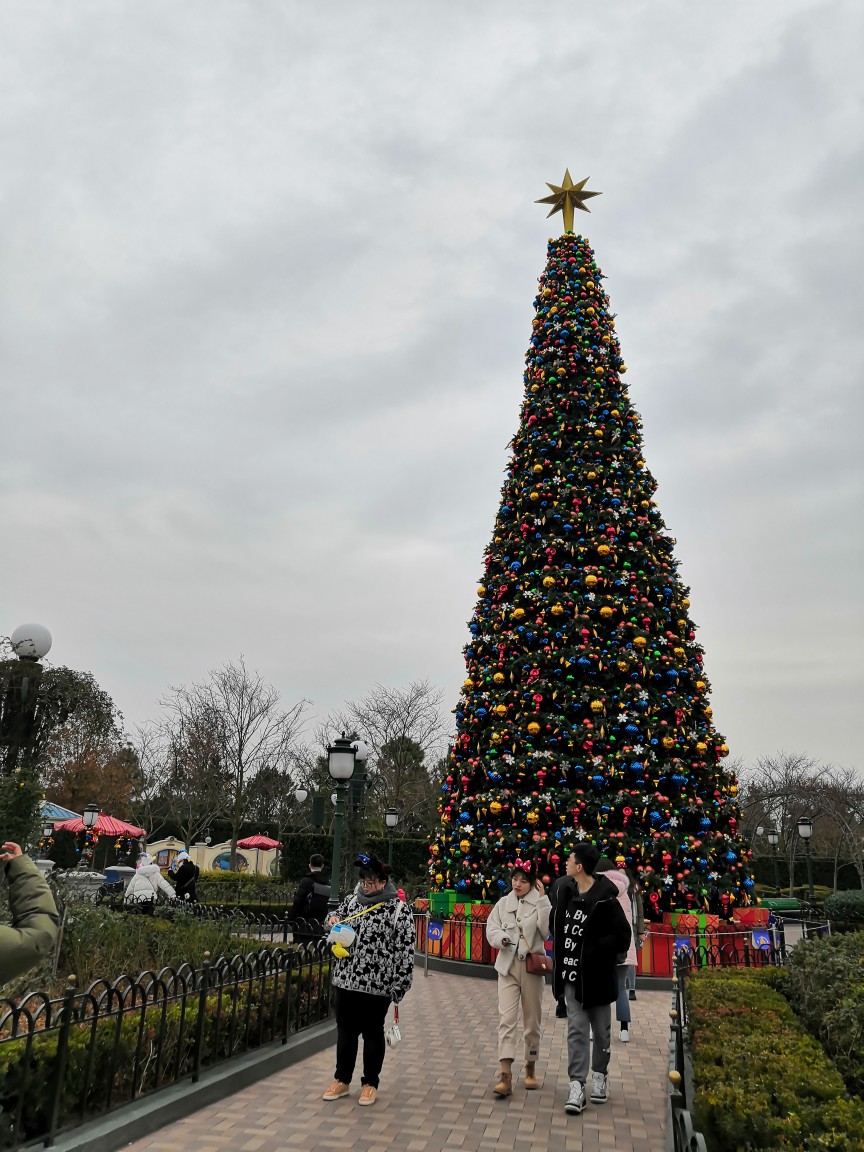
(436, 1090)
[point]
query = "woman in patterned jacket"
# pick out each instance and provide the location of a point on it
(376, 972)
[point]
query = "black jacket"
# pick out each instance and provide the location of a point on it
(605, 935)
(184, 880)
(311, 897)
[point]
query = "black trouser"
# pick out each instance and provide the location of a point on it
(360, 1014)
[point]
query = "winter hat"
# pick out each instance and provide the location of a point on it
(144, 858)
(184, 855)
(370, 864)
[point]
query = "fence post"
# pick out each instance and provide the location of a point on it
(285, 923)
(203, 985)
(426, 945)
(67, 1013)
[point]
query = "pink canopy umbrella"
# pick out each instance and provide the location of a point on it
(258, 842)
(105, 826)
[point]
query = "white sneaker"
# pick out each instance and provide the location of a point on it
(625, 1034)
(598, 1087)
(576, 1100)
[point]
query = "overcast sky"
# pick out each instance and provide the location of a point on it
(267, 272)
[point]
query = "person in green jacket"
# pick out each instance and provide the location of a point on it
(35, 922)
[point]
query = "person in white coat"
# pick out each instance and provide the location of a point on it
(517, 925)
(628, 899)
(146, 884)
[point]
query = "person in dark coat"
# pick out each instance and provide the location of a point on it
(313, 893)
(185, 875)
(590, 933)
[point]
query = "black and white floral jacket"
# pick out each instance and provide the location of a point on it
(381, 960)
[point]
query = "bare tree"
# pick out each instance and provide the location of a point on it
(777, 790)
(249, 730)
(404, 730)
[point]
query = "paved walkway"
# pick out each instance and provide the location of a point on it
(436, 1090)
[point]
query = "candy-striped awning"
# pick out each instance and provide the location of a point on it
(105, 826)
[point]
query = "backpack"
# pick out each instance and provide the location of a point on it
(317, 900)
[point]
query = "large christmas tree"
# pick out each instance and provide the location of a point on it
(585, 713)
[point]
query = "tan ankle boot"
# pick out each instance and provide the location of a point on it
(504, 1087)
(530, 1079)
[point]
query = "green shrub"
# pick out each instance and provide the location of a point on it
(101, 1068)
(761, 1082)
(823, 980)
(846, 907)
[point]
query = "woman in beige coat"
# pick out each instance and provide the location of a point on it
(517, 925)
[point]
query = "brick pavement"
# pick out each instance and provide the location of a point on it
(436, 1090)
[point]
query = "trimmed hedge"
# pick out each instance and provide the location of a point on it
(823, 980)
(761, 1082)
(410, 856)
(846, 907)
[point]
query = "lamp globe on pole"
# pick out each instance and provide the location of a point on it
(391, 819)
(805, 831)
(774, 840)
(90, 815)
(340, 765)
(20, 684)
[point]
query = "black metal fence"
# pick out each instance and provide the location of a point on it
(65, 1060)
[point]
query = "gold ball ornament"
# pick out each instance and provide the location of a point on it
(590, 581)
(495, 808)
(639, 641)
(532, 817)
(668, 742)
(604, 550)
(517, 614)
(548, 581)
(596, 705)
(500, 709)
(606, 612)
(465, 845)
(533, 728)
(498, 678)
(557, 610)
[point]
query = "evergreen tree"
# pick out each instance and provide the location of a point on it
(585, 712)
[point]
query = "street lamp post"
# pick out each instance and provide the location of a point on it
(340, 765)
(357, 794)
(88, 818)
(391, 819)
(774, 840)
(805, 831)
(19, 694)
(47, 833)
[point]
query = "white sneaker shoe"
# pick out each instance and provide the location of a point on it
(576, 1100)
(598, 1087)
(625, 1034)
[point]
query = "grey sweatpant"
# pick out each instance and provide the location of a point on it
(579, 1021)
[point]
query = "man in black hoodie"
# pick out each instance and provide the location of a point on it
(589, 932)
(313, 893)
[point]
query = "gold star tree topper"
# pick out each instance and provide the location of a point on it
(566, 196)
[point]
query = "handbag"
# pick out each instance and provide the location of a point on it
(341, 937)
(393, 1034)
(538, 963)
